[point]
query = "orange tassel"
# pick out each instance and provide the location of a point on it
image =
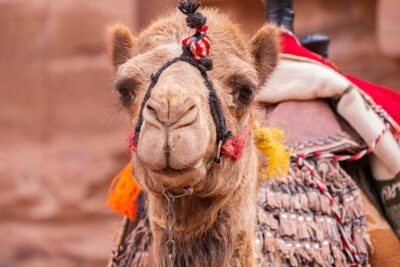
(123, 193)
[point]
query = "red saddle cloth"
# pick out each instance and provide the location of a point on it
(387, 98)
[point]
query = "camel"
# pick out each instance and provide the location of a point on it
(177, 146)
(225, 214)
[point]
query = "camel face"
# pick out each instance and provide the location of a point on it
(177, 142)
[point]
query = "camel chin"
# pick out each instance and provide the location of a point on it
(175, 180)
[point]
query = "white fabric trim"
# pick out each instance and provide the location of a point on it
(368, 125)
(302, 80)
(297, 80)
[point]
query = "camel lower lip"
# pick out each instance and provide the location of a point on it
(172, 171)
(169, 171)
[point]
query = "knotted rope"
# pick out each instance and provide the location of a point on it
(197, 45)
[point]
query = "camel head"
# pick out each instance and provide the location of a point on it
(177, 140)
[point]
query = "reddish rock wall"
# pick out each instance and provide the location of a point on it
(388, 27)
(62, 136)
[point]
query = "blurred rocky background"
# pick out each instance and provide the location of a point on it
(62, 134)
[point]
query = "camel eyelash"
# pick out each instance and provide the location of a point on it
(125, 89)
(245, 94)
(243, 89)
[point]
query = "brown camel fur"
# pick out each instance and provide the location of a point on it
(177, 144)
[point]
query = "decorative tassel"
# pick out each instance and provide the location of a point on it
(123, 193)
(348, 207)
(269, 242)
(285, 200)
(367, 240)
(322, 225)
(284, 224)
(309, 250)
(325, 204)
(340, 258)
(302, 231)
(284, 249)
(302, 253)
(271, 199)
(316, 254)
(326, 253)
(279, 198)
(295, 201)
(273, 222)
(234, 147)
(313, 230)
(313, 200)
(333, 233)
(292, 259)
(262, 216)
(303, 201)
(358, 239)
(269, 142)
(358, 204)
(259, 243)
(293, 224)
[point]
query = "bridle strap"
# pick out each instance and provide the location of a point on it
(215, 104)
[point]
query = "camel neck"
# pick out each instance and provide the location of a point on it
(201, 221)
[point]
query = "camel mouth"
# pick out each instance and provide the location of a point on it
(177, 178)
(169, 171)
(174, 172)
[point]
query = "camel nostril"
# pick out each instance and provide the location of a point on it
(151, 109)
(152, 114)
(188, 117)
(168, 114)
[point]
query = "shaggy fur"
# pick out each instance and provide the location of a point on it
(215, 225)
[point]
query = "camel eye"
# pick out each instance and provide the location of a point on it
(125, 90)
(243, 89)
(245, 94)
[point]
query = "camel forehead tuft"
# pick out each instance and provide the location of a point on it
(225, 35)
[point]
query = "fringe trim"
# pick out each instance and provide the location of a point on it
(296, 226)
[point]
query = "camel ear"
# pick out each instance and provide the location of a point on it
(122, 44)
(265, 50)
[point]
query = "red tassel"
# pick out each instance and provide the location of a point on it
(233, 148)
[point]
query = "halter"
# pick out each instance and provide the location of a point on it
(196, 50)
(215, 104)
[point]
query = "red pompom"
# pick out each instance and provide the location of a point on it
(233, 148)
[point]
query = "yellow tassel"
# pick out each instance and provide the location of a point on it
(123, 193)
(270, 142)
